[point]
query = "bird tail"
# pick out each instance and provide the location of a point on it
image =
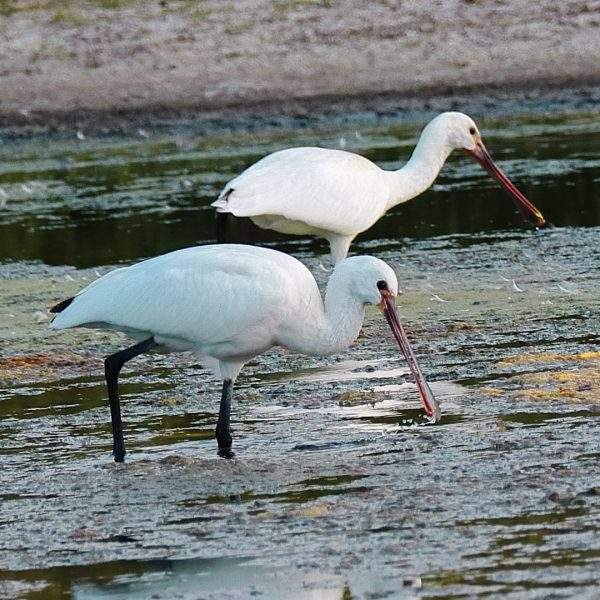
(221, 202)
(220, 205)
(59, 308)
(62, 305)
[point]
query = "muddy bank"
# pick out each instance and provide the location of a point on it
(319, 113)
(116, 61)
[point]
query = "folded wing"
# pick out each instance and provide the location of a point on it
(330, 190)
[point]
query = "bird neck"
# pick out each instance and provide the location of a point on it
(421, 170)
(333, 325)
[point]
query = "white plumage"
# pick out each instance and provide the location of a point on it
(229, 303)
(204, 299)
(315, 186)
(336, 195)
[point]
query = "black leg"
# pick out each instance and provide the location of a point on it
(221, 219)
(223, 432)
(112, 368)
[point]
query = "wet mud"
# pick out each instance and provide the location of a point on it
(340, 488)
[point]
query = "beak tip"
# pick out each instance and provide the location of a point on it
(435, 415)
(531, 213)
(543, 224)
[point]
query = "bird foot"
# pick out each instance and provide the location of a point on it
(226, 453)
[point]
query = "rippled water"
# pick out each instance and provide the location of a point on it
(340, 490)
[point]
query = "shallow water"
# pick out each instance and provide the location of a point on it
(341, 489)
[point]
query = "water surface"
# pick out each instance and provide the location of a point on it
(341, 490)
(99, 202)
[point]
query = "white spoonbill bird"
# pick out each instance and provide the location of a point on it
(228, 303)
(336, 195)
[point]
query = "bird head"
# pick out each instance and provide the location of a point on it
(363, 273)
(457, 129)
(373, 281)
(460, 132)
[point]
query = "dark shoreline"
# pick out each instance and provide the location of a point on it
(319, 112)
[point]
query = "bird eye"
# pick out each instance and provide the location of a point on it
(472, 131)
(382, 285)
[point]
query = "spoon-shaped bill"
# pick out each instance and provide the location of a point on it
(430, 404)
(529, 211)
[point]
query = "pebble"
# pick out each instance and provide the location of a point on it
(40, 316)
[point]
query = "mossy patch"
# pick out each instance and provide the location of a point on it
(357, 398)
(532, 358)
(37, 366)
(577, 380)
(579, 384)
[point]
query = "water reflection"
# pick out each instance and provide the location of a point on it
(165, 579)
(527, 553)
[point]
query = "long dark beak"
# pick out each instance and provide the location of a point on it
(430, 404)
(529, 211)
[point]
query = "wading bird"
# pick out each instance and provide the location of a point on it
(336, 195)
(228, 303)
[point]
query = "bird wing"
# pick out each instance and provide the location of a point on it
(331, 190)
(209, 295)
